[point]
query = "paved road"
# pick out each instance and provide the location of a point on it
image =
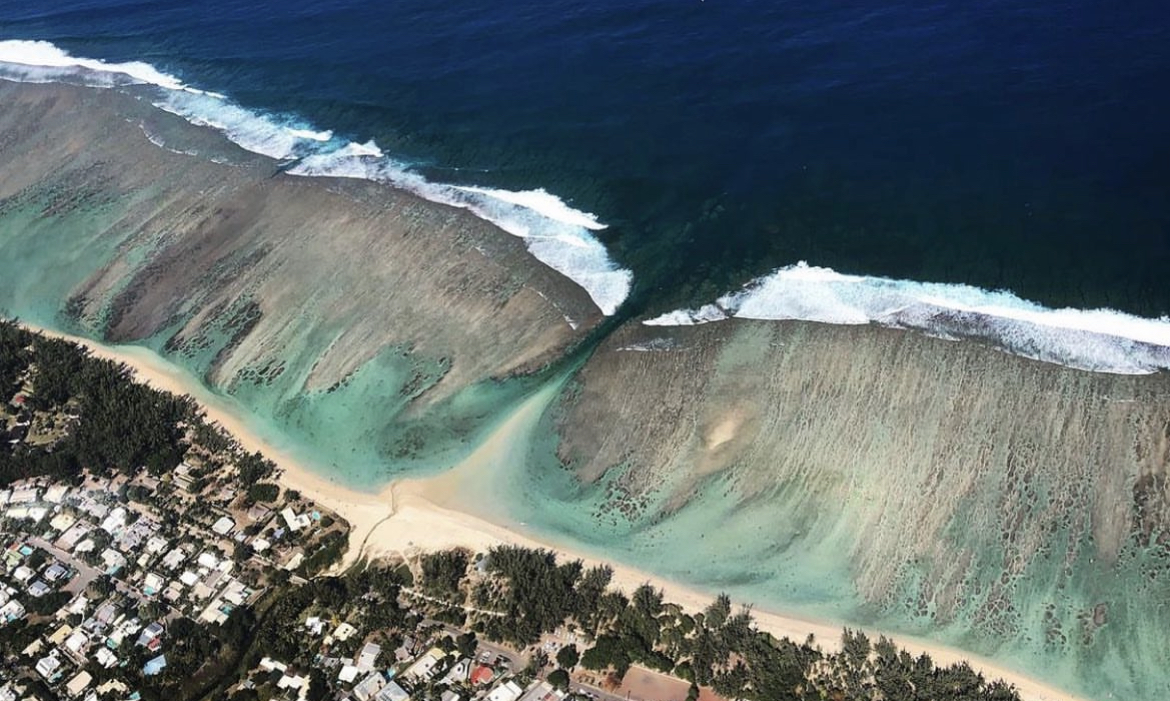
(595, 692)
(86, 573)
(516, 660)
(519, 660)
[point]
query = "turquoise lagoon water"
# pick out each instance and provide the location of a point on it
(1015, 146)
(772, 551)
(355, 433)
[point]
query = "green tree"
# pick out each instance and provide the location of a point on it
(466, 644)
(263, 491)
(318, 686)
(718, 612)
(443, 573)
(49, 603)
(559, 678)
(568, 657)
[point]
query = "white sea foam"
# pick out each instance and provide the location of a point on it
(312, 135)
(542, 202)
(43, 54)
(254, 132)
(367, 149)
(654, 345)
(555, 233)
(158, 141)
(1100, 340)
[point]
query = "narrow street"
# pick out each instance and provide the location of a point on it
(518, 660)
(86, 573)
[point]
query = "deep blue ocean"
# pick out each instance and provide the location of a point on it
(1019, 144)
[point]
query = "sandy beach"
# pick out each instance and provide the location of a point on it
(411, 516)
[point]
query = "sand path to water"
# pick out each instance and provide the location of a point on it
(412, 516)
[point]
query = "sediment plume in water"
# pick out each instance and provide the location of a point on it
(349, 313)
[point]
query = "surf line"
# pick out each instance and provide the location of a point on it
(556, 234)
(1096, 340)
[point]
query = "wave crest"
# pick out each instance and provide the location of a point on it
(555, 233)
(1099, 340)
(55, 63)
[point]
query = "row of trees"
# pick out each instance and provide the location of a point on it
(443, 573)
(718, 647)
(120, 425)
(537, 594)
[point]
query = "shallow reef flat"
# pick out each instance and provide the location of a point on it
(364, 323)
(1008, 506)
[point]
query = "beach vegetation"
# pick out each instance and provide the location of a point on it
(330, 549)
(263, 492)
(110, 424)
(720, 648)
(443, 573)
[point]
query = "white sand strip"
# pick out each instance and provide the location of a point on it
(406, 518)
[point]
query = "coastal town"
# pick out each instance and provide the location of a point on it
(129, 584)
(145, 583)
(103, 588)
(145, 555)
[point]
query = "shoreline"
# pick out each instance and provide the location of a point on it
(408, 516)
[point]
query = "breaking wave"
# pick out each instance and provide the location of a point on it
(556, 234)
(1099, 340)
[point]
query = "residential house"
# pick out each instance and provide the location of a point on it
(49, 667)
(424, 668)
(150, 634)
(78, 684)
(155, 666)
(223, 526)
(294, 521)
(508, 691)
(11, 611)
(368, 687)
(392, 692)
(367, 656)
